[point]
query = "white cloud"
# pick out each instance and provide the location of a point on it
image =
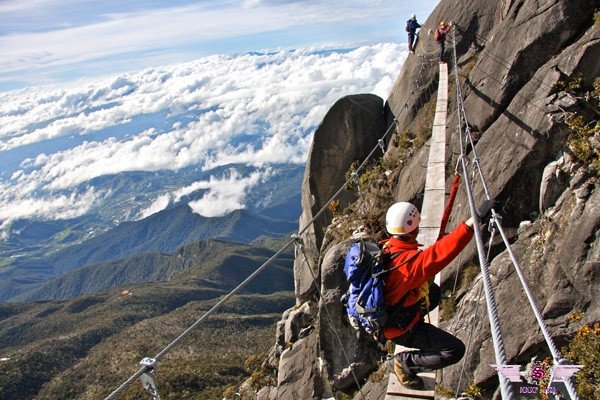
(227, 194)
(257, 109)
(185, 191)
(223, 194)
(56, 206)
(167, 30)
(158, 205)
(8, 6)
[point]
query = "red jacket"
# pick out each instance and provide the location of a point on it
(441, 32)
(413, 274)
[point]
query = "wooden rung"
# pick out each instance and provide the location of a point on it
(397, 391)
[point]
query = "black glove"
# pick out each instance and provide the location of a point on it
(485, 209)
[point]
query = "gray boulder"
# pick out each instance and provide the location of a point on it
(298, 320)
(342, 346)
(526, 38)
(267, 393)
(554, 182)
(375, 389)
(348, 133)
(299, 373)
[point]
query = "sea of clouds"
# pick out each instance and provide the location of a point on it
(253, 109)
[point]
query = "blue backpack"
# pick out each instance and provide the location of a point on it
(365, 302)
(365, 269)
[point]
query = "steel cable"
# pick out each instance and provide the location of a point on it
(499, 350)
(496, 223)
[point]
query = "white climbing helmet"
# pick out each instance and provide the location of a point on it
(402, 218)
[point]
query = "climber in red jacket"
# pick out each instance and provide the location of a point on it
(406, 292)
(440, 37)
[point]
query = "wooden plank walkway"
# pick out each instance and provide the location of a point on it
(431, 216)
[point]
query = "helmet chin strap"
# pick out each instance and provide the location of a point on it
(409, 236)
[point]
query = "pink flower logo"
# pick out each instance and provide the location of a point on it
(538, 372)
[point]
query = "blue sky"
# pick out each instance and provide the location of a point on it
(95, 88)
(49, 41)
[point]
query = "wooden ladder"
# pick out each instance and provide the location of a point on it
(431, 216)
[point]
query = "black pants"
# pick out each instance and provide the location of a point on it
(411, 39)
(442, 44)
(437, 348)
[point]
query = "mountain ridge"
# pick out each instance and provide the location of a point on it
(222, 259)
(164, 231)
(79, 333)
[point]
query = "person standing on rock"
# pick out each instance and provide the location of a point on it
(407, 293)
(411, 27)
(440, 37)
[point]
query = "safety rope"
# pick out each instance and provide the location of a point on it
(495, 222)
(449, 205)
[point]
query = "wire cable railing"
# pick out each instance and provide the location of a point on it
(496, 223)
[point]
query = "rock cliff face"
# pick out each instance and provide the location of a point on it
(512, 56)
(347, 133)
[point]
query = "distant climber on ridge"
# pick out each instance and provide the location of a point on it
(411, 27)
(440, 37)
(407, 292)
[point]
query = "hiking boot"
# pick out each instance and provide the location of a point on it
(408, 380)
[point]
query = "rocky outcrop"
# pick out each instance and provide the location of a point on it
(299, 370)
(359, 350)
(512, 56)
(559, 254)
(347, 134)
(515, 107)
(321, 344)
